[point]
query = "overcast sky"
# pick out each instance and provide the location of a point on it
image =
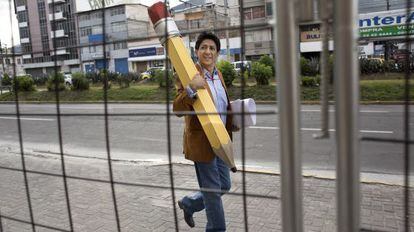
(6, 25)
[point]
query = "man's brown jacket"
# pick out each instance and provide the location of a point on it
(195, 143)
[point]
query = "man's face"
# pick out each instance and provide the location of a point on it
(207, 53)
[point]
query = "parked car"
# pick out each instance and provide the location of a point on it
(68, 78)
(150, 72)
(238, 65)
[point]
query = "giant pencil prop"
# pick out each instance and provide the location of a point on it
(213, 127)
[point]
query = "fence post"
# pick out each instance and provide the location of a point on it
(346, 116)
(288, 101)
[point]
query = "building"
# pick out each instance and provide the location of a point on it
(259, 36)
(124, 23)
(210, 15)
(47, 35)
(11, 61)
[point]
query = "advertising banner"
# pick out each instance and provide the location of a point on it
(87, 5)
(386, 23)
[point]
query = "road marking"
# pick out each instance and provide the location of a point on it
(318, 129)
(361, 111)
(29, 119)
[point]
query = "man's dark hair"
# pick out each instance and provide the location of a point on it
(207, 35)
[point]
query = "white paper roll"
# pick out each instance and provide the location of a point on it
(249, 110)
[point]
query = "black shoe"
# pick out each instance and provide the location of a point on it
(187, 217)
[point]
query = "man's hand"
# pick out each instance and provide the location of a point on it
(234, 128)
(197, 82)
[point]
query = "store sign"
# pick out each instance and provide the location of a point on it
(307, 36)
(141, 52)
(386, 24)
(377, 24)
(87, 5)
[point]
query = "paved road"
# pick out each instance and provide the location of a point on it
(146, 202)
(144, 137)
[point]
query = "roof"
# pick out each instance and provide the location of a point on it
(188, 4)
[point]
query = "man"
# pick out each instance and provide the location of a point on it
(212, 173)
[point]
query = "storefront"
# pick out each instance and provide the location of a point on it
(379, 33)
(145, 57)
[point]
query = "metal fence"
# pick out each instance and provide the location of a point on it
(288, 15)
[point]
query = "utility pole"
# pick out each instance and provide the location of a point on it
(387, 43)
(2, 62)
(2, 58)
(226, 5)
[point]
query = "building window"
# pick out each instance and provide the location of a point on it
(85, 31)
(7, 61)
(118, 11)
(195, 24)
(248, 14)
(269, 9)
(20, 2)
(96, 15)
(118, 27)
(256, 12)
(19, 61)
(21, 16)
(120, 45)
(84, 17)
(24, 32)
(97, 29)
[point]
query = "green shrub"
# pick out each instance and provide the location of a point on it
(262, 73)
(390, 66)
(309, 67)
(370, 66)
(40, 80)
(6, 80)
(228, 72)
(93, 77)
(24, 83)
(268, 61)
(112, 76)
(124, 80)
(56, 80)
(310, 81)
(79, 82)
(159, 76)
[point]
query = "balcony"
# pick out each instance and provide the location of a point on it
(59, 52)
(23, 24)
(56, 1)
(21, 8)
(24, 40)
(27, 56)
(58, 16)
(59, 34)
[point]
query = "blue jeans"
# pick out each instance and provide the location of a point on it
(213, 176)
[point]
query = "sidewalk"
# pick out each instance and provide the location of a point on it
(146, 208)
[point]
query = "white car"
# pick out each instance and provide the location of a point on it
(68, 79)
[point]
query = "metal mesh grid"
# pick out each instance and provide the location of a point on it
(406, 141)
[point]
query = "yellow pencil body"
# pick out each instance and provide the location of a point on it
(212, 124)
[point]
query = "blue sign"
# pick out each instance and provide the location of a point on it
(140, 52)
(98, 38)
(232, 51)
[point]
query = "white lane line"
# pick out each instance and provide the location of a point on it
(317, 129)
(361, 111)
(29, 119)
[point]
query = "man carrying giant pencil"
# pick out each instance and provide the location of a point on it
(212, 173)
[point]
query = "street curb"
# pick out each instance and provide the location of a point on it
(366, 178)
